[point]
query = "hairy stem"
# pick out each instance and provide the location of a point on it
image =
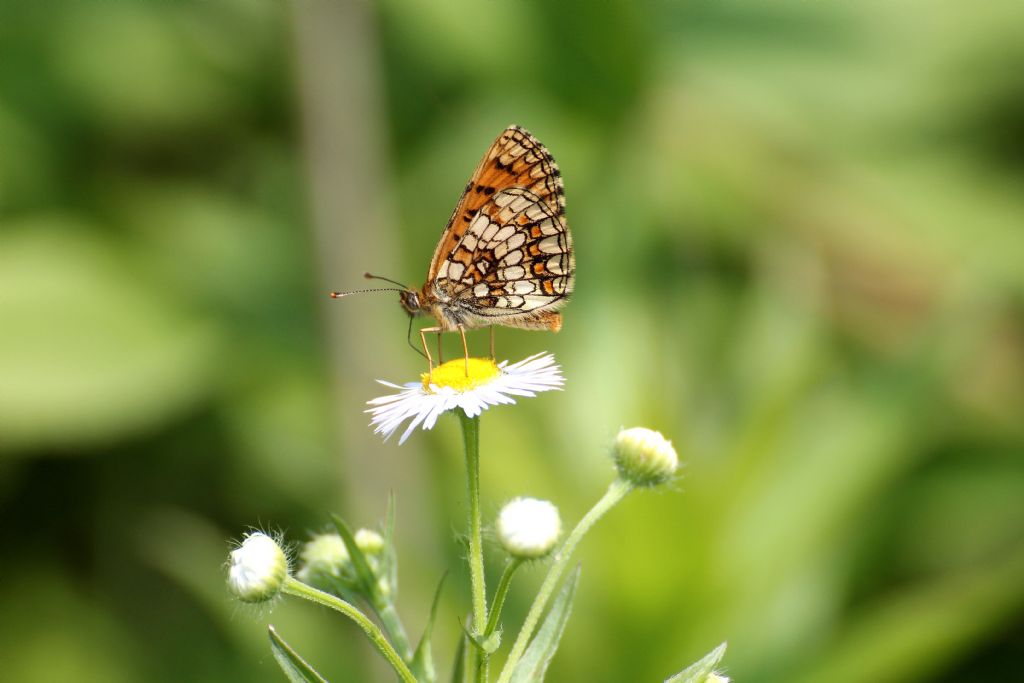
(392, 624)
(616, 492)
(500, 593)
(471, 437)
(295, 587)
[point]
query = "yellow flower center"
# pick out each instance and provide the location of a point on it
(453, 374)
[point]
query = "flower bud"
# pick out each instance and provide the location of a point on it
(528, 528)
(715, 677)
(258, 568)
(369, 541)
(644, 457)
(322, 556)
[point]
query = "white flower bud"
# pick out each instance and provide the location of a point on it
(715, 677)
(258, 568)
(323, 555)
(528, 528)
(369, 541)
(644, 457)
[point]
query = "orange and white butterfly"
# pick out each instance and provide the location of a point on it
(505, 257)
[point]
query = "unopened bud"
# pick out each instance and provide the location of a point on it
(324, 555)
(644, 457)
(369, 541)
(528, 528)
(258, 568)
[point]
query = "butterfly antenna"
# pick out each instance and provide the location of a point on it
(338, 295)
(371, 276)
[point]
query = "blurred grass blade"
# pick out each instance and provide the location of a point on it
(532, 667)
(459, 666)
(423, 660)
(699, 671)
(295, 667)
(362, 567)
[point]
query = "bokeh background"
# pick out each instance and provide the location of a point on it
(801, 256)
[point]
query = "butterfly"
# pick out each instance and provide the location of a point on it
(505, 256)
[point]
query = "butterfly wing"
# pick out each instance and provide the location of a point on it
(515, 159)
(513, 266)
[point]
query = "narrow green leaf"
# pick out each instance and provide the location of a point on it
(699, 671)
(423, 660)
(295, 667)
(459, 666)
(362, 567)
(534, 664)
(488, 644)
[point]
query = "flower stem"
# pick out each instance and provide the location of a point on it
(293, 586)
(471, 437)
(500, 593)
(615, 493)
(392, 624)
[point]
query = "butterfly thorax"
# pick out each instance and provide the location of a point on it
(437, 300)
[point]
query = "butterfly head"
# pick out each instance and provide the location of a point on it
(411, 302)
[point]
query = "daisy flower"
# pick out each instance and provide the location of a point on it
(449, 387)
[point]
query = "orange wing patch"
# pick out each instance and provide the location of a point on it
(515, 159)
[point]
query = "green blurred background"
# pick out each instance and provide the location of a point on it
(800, 255)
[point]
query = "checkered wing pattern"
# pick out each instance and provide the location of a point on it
(505, 257)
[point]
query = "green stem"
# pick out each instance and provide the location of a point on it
(500, 593)
(392, 624)
(616, 492)
(471, 437)
(293, 586)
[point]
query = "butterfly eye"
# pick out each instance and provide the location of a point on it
(410, 301)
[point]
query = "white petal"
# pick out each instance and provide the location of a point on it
(422, 407)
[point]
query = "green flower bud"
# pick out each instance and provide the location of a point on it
(644, 457)
(369, 541)
(324, 555)
(258, 568)
(528, 528)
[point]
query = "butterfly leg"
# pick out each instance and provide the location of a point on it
(465, 347)
(492, 342)
(440, 349)
(426, 350)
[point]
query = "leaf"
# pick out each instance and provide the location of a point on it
(423, 660)
(295, 667)
(488, 644)
(366, 576)
(534, 664)
(459, 666)
(699, 671)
